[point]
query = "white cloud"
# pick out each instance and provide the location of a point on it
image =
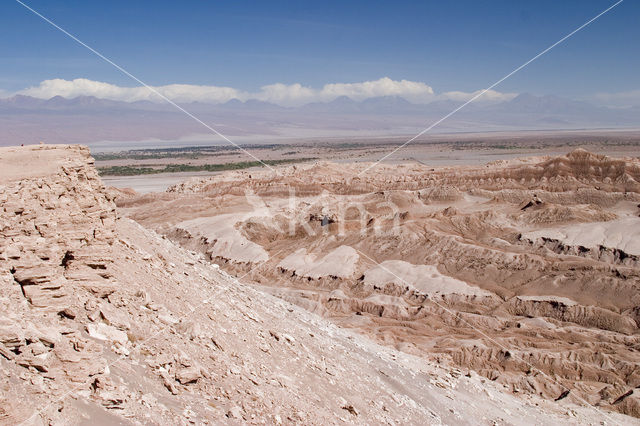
(278, 93)
(488, 96)
(286, 94)
(411, 90)
(296, 94)
(176, 92)
(619, 99)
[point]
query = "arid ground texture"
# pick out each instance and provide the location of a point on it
(323, 292)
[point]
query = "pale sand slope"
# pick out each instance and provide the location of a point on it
(424, 278)
(622, 234)
(225, 239)
(340, 262)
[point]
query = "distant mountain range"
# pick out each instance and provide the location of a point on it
(87, 119)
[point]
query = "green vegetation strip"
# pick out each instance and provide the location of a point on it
(191, 152)
(177, 168)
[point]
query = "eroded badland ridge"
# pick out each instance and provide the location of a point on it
(107, 321)
(526, 271)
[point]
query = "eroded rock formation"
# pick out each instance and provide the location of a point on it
(546, 249)
(104, 321)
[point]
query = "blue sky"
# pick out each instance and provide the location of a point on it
(451, 46)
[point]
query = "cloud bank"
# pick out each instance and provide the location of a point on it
(278, 93)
